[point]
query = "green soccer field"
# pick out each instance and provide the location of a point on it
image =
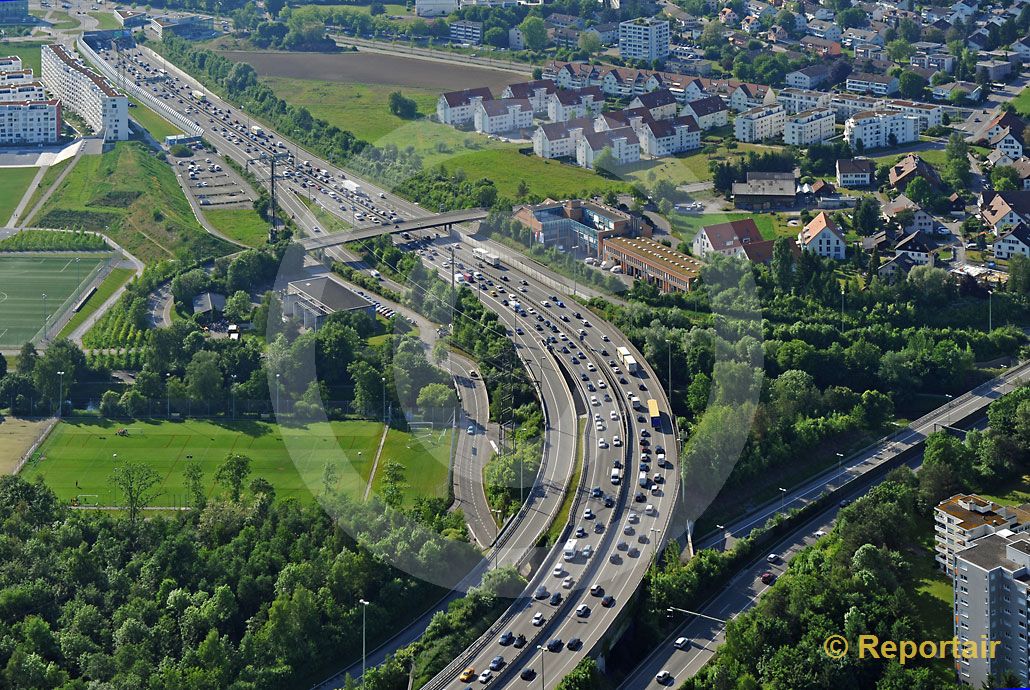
(24, 280)
(79, 456)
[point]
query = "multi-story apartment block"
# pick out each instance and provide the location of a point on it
(646, 38)
(538, 92)
(560, 139)
(991, 587)
(87, 93)
(466, 31)
(876, 129)
(709, 112)
(808, 127)
(808, 77)
(32, 91)
(623, 144)
(964, 518)
(30, 122)
(503, 115)
(567, 105)
(667, 137)
(459, 107)
(942, 62)
(17, 76)
(765, 122)
(10, 63)
(875, 84)
(844, 105)
(799, 100)
(929, 115)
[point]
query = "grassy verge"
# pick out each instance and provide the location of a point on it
(114, 280)
(13, 184)
(132, 196)
(241, 224)
(562, 516)
(49, 177)
(327, 221)
(158, 127)
(771, 225)
(64, 21)
(106, 21)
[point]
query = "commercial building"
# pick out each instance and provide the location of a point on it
(764, 122)
(313, 300)
(765, 190)
(645, 38)
(466, 31)
(809, 127)
(14, 12)
(131, 19)
(876, 129)
(85, 92)
(576, 223)
(964, 518)
(30, 122)
(435, 8)
(646, 259)
(183, 26)
(991, 588)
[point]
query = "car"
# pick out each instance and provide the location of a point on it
(567, 582)
(597, 590)
(608, 503)
(471, 431)
(773, 558)
(663, 677)
(599, 426)
(574, 644)
(633, 552)
(616, 441)
(497, 663)
(598, 527)
(628, 530)
(581, 531)
(596, 492)
(614, 559)
(556, 599)
(642, 538)
(845, 503)
(520, 641)
(768, 578)
(507, 638)
(486, 676)
(632, 518)
(819, 534)
(594, 401)
(588, 514)
(583, 376)
(467, 675)
(622, 546)
(641, 419)
(613, 415)
(608, 601)
(649, 509)
(681, 643)
(538, 620)
(540, 593)
(527, 674)
(555, 645)
(601, 443)
(582, 611)
(639, 497)
(558, 571)
(642, 387)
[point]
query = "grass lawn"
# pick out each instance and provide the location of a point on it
(79, 456)
(241, 224)
(49, 177)
(18, 435)
(391, 8)
(770, 225)
(132, 196)
(106, 20)
(13, 183)
(158, 127)
(1022, 103)
(27, 51)
(359, 108)
(114, 280)
(327, 221)
(63, 21)
(23, 281)
(1017, 492)
(934, 594)
(679, 170)
(426, 457)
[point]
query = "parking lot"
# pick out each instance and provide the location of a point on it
(212, 184)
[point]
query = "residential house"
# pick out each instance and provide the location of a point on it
(566, 105)
(820, 46)
(565, 21)
(810, 77)
(822, 237)
(607, 33)
(979, 40)
(516, 39)
(999, 121)
(503, 115)
(725, 238)
(747, 96)
(909, 168)
(1001, 210)
(824, 29)
(728, 17)
(1022, 48)
(875, 84)
(458, 107)
(902, 206)
(708, 112)
(808, 127)
(1009, 141)
(856, 36)
(938, 62)
(757, 124)
(560, 139)
(1014, 241)
(998, 157)
(623, 144)
(970, 90)
(895, 268)
(799, 100)
(855, 172)
(660, 103)
(919, 247)
(1022, 167)
(537, 92)
(880, 128)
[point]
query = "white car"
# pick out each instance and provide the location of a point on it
(567, 583)
(599, 426)
(486, 676)
(538, 619)
(594, 401)
(613, 415)
(681, 643)
(650, 509)
(662, 677)
(601, 443)
(558, 571)
(616, 441)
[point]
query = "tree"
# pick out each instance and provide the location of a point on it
(900, 50)
(238, 307)
(138, 485)
(436, 399)
(1004, 178)
(403, 107)
(27, 357)
(852, 18)
(194, 475)
(393, 484)
(911, 85)
(782, 264)
(534, 32)
(920, 191)
(110, 404)
(204, 378)
(589, 42)
(376, 8)
(330, 478)
(867, 216)
(232, 473)
(496, 36)
(605, 162)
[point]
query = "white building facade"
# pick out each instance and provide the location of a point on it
(809, 127)
(759, 123)
(87, 93)
(880, 128)
(646, 38)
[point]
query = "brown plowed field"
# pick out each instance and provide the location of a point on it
(374, 68)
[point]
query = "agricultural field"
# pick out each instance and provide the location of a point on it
(24, 280)
(241, 224)
(13, 184)
(79, 456)
(133, 197)
(158, 127)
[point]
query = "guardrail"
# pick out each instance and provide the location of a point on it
(131, 87)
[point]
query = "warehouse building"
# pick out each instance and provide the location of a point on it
(646, 259)
(313, 300)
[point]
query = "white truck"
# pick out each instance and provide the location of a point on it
(486, 257)
(616, 475)
(199, 95)
(631, 364)
(570, 550)
(352, 187)
(257, 131)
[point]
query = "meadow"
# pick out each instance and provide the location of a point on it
(13, 184)
(241, 224)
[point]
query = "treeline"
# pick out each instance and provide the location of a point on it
(52, 240)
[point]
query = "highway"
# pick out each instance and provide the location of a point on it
(851, 480)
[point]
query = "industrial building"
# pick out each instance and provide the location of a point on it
(313, 300)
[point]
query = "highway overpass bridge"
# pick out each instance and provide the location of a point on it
(364, 232)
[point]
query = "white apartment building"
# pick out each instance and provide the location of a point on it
(32, 91)
(1013, 242)
(800, 100)
(765, 122)
(623, 143)
(844, 105)
(963, 518)
(30, 122)
(567, 105)
(459, 107)
(876, 129)
(87, 93)
(646, 38)
(808, 127)
(17, 76)
(560, 139)
(667, 137)
(929, 115)
(875, 84)
(503, 115)
(10, 63)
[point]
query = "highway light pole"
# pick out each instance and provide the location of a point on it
(60, 394)
(783, 497)
(668, 348)
(44, 317)
(382, 379)
(840, 460)
(542, 653)
(277, 393)
(841, 308)
(364, 609)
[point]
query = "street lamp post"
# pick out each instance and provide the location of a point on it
(45, 329)
(840, 460)
(277, 393)
(364, 609)
(543, 684)
(232, 394)
(841, 308)
(990, 310)
(383, 381)
(60, 394)
(669, 352)
(783, 497)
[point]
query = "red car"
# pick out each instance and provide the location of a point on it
(768, 578)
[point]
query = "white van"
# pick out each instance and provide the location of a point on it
(374, 273)
(569, 552)
(616, 476)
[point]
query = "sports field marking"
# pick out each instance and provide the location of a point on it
(3, 296)
(63, 268)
